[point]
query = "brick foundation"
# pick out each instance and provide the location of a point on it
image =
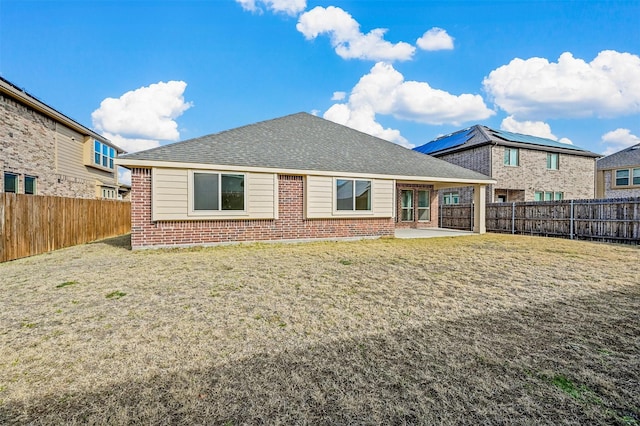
(290, 225)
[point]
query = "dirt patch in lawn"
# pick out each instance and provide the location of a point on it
(487, 328)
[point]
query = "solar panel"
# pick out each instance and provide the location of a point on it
(445, 142)
(534, 140)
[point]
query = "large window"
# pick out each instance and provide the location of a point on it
(30, 185)
(103, 154)
(626, 177)
(352, 195)
(552, 161)
(511, 157)
(10, 182)
(218, 191)
(451, 198)
(424, 205)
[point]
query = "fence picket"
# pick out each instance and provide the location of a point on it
(612, 220)
(31, 225)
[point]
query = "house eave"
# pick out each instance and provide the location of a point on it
(23, 97)
(131, 163)
(532, 147)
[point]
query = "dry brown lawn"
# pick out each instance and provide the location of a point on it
(482, 329)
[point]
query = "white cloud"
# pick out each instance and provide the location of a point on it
(346, 38)
(139, 119)
(608, 86)
(290, 7)
(131, 144)
(364, 120)
(338, 96)
(124, 175)
(384, 91)
(534, 128)
(435, 39)
(618, 140)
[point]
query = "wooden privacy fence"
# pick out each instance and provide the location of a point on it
(32, 225)
(612, 220)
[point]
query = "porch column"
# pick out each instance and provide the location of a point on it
(479, 209)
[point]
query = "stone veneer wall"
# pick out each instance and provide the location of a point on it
(28, 148)
(290, 225)
(575, 176)
(476, 159)
(610, 192)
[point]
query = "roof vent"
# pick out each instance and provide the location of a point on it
(635, 147)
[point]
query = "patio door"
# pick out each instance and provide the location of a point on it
(406, 205)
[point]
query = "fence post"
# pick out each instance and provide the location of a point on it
(472, 217)
(571, 222)
(513, 217)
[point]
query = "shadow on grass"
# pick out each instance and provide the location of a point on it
(494, 368)
(121, 241)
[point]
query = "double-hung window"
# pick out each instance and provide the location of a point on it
(552, 161)
(103, 155)
(30, 185)
(10, 182)
(451, 198)
(218, 191)
(622, 177)
(626, 177)
(424, 205)
(511, 157)
(353, 195)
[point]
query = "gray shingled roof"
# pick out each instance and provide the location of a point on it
(478, 135)
(626, 157)
(305, 142)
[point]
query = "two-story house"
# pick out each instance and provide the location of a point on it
(526, 168)
(44, 152)
(618, 174)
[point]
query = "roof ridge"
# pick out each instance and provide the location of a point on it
(481, 128)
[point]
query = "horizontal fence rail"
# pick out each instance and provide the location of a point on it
(610, 220)
(31, 225)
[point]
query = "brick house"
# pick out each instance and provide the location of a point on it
(525, 168)
(618, 174)
(296, 177)
(44, 152)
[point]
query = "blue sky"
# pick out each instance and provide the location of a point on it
(151, 72)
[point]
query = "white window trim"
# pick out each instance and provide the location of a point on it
(110, 160)
(216, 214)
(351, 213)
(449, 195)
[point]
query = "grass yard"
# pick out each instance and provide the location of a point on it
(481, 329)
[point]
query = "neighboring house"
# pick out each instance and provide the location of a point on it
(526, 168)
(44, 152)
(618, 175)
(292, 178)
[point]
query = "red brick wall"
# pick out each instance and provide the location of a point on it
(290, 225)
(433, 223)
